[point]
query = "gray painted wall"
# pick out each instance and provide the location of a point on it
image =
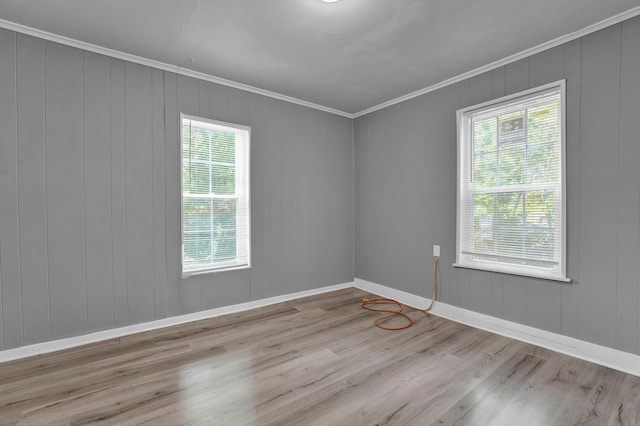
(89, 213)
(405, 188)
(89, 201)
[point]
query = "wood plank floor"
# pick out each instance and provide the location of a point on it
(314, 361)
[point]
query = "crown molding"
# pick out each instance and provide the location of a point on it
(45, 35)
(616, 19)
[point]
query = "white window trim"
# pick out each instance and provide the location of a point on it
(462, 128)
(240, 219)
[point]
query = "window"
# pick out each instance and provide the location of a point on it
(215, 195)
(511, 184)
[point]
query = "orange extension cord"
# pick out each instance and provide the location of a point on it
(399, 306)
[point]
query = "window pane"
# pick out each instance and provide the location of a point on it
(483, 211)
(508, 223)
(209, 230)
(223, 148)
(196, 178)
(512, 224)
(543, 123)
(543, 162)
(484, 135)
(484, 168)
(541, 208)
(512, 164)
(223, 179)
(196, 230)
(224, 228)
(541, 213)
(512, 128)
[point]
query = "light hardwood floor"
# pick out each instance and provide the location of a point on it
(314, 361)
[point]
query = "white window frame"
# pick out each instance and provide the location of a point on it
(464, 139)
(243, 195)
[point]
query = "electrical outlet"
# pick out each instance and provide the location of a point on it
(436, 251)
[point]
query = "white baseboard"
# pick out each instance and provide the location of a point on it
(602, 355)
(613, 358)
(56, 345)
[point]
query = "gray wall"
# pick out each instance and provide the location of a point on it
(89, 213)
(89, 201)
(405, 187)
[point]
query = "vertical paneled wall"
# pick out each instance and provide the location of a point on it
(405, 186)
(89, 193)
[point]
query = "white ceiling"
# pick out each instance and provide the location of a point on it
(350, 55)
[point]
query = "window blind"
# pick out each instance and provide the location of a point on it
(511, 185)
(215, 195)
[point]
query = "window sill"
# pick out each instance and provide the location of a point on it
(193, 273)
(502, 271)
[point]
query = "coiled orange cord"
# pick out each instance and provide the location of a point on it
(399, 305)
